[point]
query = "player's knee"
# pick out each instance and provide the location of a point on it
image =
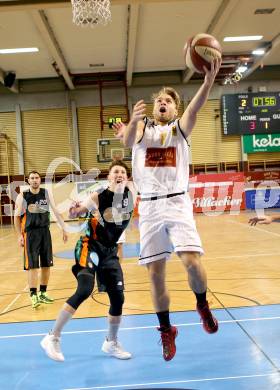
(84, 289)
(116, 302)
(157, 278)
(191, 260)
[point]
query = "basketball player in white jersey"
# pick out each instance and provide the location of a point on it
(160, 170)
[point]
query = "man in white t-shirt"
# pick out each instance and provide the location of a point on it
(160, 170)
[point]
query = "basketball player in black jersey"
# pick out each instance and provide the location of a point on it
(32, 221)
(96, 253)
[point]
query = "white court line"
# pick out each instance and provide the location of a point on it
(242, 256)
(125, 263)
(214, 258)
(177, 382)
(255, 228)
(14, 301)
(139, 327)
(21, 380)
(22, 270)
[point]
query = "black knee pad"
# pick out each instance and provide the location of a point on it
(116, 302)
(84, 289)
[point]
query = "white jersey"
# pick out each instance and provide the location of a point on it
(160, 160)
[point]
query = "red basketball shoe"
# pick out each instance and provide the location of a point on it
(168, 337)
(210, 324)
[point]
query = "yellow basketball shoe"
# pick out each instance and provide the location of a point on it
(45, 298)
(35, 302)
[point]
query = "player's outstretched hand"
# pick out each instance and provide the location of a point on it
(261, 220)
(119, 128)
(139, 111)
(212, 73)
(74, 209)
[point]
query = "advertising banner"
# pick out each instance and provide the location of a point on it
(217, 192)
(261, 143)
(262, 177)
(263, 198)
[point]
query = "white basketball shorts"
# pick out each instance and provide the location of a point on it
(167, 225)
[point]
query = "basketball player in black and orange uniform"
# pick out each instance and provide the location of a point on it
(32, 221)
(96, 254)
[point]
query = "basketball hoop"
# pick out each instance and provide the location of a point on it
(91, 12)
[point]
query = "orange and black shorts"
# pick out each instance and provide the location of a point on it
(100, 261)
(38, 248)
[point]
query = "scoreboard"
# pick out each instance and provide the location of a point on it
(251, 113)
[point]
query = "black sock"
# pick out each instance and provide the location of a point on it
(163, 317)
(43, 287)
(33, 291)
(201, 298)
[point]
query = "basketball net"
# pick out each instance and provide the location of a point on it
(91, 12)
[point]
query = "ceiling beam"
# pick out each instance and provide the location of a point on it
(220, 18)
(131, 40)
(48, 36)
(274, 44)
(15, 5)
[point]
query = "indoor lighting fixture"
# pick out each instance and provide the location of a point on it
(258, 52)
(19, 50)
(243, 38)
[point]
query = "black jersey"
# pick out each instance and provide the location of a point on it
(114, 213)
(36, 210)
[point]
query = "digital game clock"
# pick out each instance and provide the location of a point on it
(251, 113)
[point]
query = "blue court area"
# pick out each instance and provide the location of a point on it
(244, 354)
(129, 250)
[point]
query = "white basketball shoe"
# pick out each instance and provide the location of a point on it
(51, 345)
(115, 349)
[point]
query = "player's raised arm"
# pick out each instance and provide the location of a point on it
(188, 119)
(134, 129)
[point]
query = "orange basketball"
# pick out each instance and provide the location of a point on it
(200, 51)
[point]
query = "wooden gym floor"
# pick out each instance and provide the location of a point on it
(242, 264)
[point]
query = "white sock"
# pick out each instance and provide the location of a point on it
(63, 317)
(113, 331)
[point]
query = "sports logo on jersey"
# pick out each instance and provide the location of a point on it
(163, 138)
(160, 157)
(174, 131)
(39, 207)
